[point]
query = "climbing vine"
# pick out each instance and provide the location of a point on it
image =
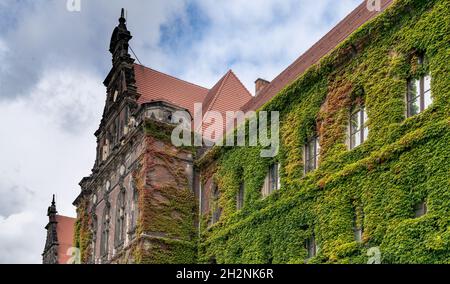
(166, 210)
(376, 186)
(82, 231)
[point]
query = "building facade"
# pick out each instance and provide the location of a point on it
(139, 204)
(361, 175)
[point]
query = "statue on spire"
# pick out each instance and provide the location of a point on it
(119, 39)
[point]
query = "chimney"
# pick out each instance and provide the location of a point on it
(259, 85)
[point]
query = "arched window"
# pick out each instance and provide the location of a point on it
(120, 218)
(104, 242)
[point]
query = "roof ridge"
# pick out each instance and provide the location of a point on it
(240, 82)
(223, 79)
(274, 87)
(215, 95)
(171, 76)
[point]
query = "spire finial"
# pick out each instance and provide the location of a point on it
(122, 19)
(51, 211)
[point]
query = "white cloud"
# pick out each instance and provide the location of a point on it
(18, 243)
(255, 39)
(42, 154)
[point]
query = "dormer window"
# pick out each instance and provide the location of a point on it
(419, 96)
(359, 131)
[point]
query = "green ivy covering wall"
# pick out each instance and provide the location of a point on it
(167, 209)
(377, 185)
(82, 232)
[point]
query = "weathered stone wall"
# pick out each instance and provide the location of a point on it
(166, 204)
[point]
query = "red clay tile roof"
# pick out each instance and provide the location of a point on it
(338, 34)
(64, 230)
(229, 94)
(153, 85)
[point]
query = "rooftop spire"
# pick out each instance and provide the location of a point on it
(51, 212)
(120, 37)
(51, 244)
(122, 19)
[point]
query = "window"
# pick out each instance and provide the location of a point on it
(94, 227)
(134, 209)
(203, 198)
(116, 130)
(120, 219)
(104, 242)
(105, 150)
(212, 260)
(311, 247)
(216, 210)
(126, 119)
(421, 209)
(358, 128)
(107, 186)
(240, 196)
(311, 154)
(358, 225)
(419, 95)
(272, 181)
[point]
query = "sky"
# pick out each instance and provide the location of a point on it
(53, 61)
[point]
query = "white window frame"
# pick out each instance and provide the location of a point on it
(424, 90)
(316, 155)
(272, 182)
(362, 130)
